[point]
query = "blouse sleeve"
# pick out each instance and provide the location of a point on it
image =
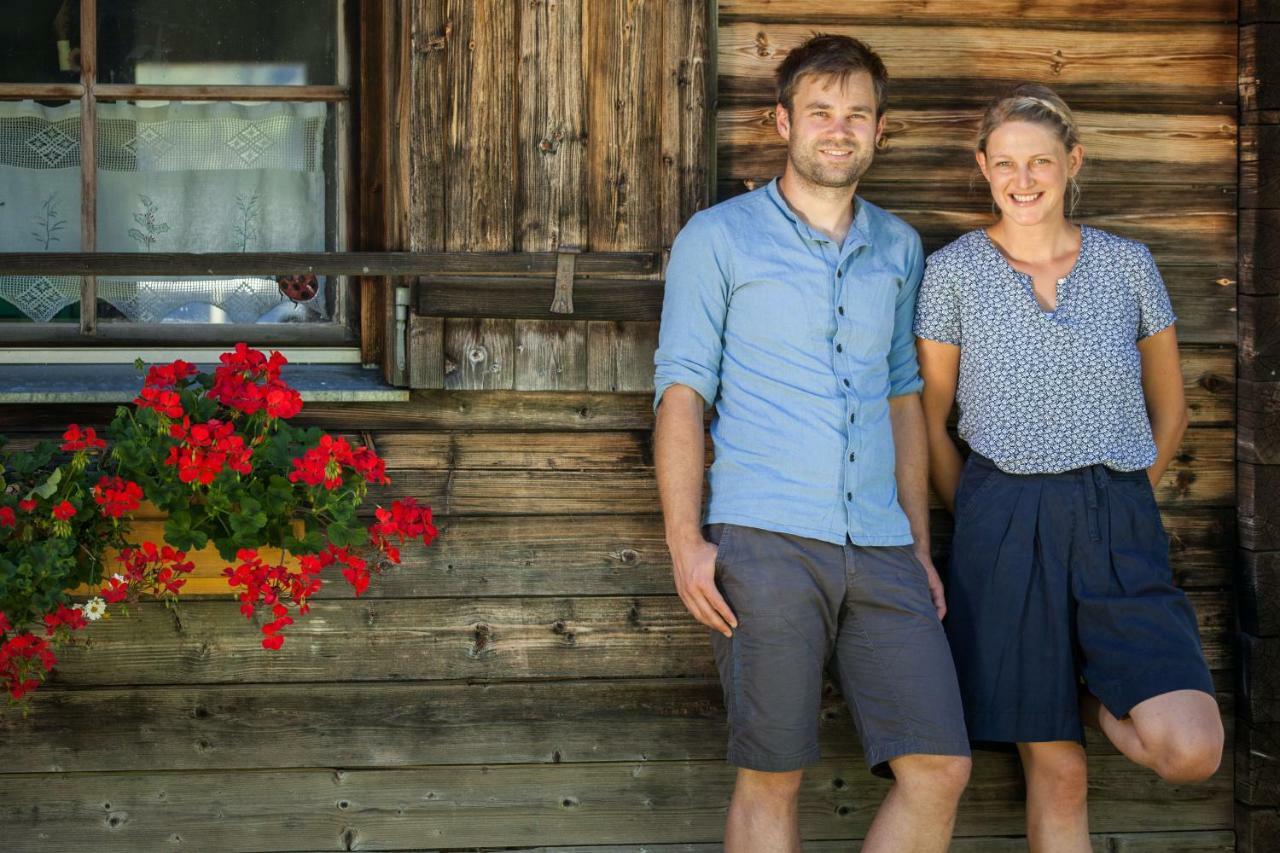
(1155, 312)
(938, 305)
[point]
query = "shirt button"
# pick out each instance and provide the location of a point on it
(841, 310)
(848, 496)
(839, 273)
(852, 418)
(846, 383)
(852, 456)
(839, 348)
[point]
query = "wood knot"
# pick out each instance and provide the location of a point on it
(569, 803)
(762, 45)
(629, 556)
(477, 354)
(482, 636)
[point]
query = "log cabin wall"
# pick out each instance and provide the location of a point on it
(1258, 453)
(531, 679)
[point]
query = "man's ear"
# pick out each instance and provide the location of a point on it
(782, 121)
(880, 122)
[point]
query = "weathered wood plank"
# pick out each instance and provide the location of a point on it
(1203, 296)
(994, 13)
(1258, 698)
(1258, 597)
(550, 355)
(1257, 763)
(1259, 66)
(593, 299)
(425, 352)
(552, 128)
(1259, 491)
(479, 639)
(1120, 147)
(480, 193)
(1209, 373)
(620, 356)
(624, 190)
(427, 147)
(1256, 829)
(557, 555)
(687, 111)
(1088, 66)
(1208, 841)
(392, 725)
(479, 354)
(1260, 166)
(1259, 252)
(1258, 437)
(532, 804)
(1260, 337)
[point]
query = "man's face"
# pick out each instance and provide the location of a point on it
(831, 130)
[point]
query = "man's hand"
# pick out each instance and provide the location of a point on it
(695, 574)
(936, 591)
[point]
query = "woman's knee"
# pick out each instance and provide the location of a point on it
(1189, 756)
(1057, 777)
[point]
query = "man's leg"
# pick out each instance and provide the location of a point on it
(919, 813)
(1178, 734)
(763, 816)
(1057, 796)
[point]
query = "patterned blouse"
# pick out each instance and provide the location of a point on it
(1047, 391)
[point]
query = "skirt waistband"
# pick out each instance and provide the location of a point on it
(1094, 472)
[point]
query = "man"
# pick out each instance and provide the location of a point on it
(790, 309)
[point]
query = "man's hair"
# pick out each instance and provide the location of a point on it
(831, 55)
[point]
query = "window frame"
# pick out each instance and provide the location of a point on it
(88, 263)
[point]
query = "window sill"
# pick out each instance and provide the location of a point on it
(119, 383)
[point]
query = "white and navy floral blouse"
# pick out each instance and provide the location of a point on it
(1047, 391)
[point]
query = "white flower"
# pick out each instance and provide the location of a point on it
(95, 609)
(118, 577)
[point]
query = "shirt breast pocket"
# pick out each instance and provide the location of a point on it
(872, 297)
(783, 311)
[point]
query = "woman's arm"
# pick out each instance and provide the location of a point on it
(940, 369)
(1166, 403)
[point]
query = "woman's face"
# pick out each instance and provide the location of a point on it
(1028, 169)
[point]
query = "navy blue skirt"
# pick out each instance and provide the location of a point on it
(1059, 580)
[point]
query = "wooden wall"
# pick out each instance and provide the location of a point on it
(1258, 450)
(531, 679)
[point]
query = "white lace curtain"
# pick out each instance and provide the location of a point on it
(214, 177)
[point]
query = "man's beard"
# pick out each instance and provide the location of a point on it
(810, 165)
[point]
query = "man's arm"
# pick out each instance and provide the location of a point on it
(911, 467)
(679, 453)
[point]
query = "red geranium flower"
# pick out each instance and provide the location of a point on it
(77, 439)
(27, 504)
(117, 496)
(64, 511)
(7, 518)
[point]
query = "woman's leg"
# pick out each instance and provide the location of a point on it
(1177, 734)
(1057, 796)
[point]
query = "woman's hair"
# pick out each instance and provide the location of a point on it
(835, 55)
(1034, 103)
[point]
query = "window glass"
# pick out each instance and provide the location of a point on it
(214, 177)
(40, 41)
(218, 42)
(39, 204)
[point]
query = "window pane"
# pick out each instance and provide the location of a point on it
(40, 41)
(214, 177)
(39, 204)
(218, 42)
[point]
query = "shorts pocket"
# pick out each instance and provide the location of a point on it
(975, 484)
(722, 546)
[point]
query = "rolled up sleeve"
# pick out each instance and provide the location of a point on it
(904, 368)
(694, 305)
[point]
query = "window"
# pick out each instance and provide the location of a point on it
(159, 128)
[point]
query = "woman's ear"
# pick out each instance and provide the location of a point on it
(1075, 159)
(982, 163)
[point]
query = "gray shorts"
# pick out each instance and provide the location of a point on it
(802, 603)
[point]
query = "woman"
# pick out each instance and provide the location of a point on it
(1057, 342)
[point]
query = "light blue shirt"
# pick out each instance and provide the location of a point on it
(798, 343)
(1042, 392)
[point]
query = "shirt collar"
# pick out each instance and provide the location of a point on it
(859, 231)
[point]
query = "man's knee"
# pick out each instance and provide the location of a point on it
(942, 776)
(773, 787)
